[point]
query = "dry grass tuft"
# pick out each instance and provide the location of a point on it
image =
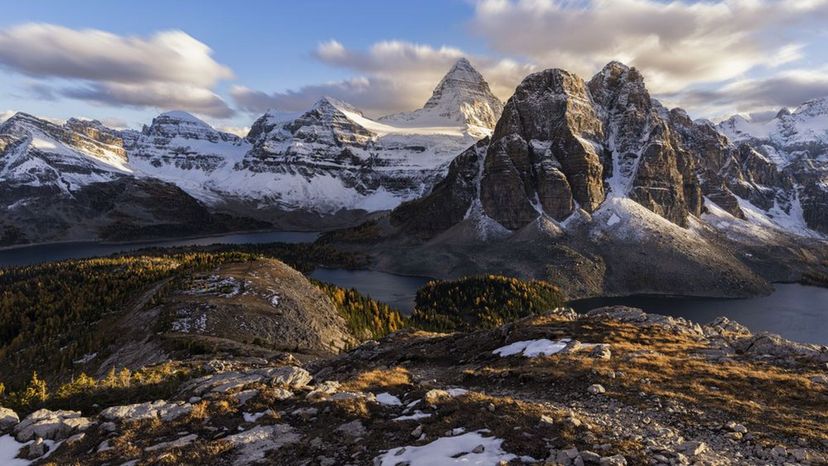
(386, 379)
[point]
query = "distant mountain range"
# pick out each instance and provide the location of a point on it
(594, 174)
(327, 167)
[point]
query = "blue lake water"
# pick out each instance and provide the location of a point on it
(794, 311)
(397, 291)
(797, 312)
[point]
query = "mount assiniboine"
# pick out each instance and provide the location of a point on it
(327, 167)
(585, 182)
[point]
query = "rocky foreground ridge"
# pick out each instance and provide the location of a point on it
(613, 387)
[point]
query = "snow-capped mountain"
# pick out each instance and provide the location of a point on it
(76, 181)
(39, 153)
(328, 160)
(332, 157)
(795, 147)
(789, 136)
(462, 97)
(328, 164)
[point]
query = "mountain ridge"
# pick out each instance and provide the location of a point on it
(327, 166)
(585, 182)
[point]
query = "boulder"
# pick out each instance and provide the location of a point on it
(768, 344)
(253, 444)
(52, 425)
(164, 410)
(8, 419)
(601, 352)
(35, 449)
(284, 377)
(596, 389)
(287, 376)
(353, 429)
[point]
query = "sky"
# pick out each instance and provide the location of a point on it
(228, 62)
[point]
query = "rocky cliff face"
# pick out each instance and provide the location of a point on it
(648, 162)
(563, 144)
(544, 155)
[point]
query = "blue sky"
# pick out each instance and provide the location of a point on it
(240, 58)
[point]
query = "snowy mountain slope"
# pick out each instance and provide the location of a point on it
(37, 153)
(330, 162)
(795, 145)
(333, 157)
(181, 149)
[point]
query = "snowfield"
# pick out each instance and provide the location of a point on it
(468, 448)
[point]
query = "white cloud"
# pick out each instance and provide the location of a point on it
(393, 76)
(169, 69)
(6, 115)
(787, 88)
(115, 122)
(674, 43)
(238, 131)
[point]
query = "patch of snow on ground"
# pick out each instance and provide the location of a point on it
(450, 450)
(533, 348)
(388, 399)
(413, 417)
(187, 324)
(455, 392)
(9, 447)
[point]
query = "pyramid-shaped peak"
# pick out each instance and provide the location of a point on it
(462, 71)
(461, 98)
